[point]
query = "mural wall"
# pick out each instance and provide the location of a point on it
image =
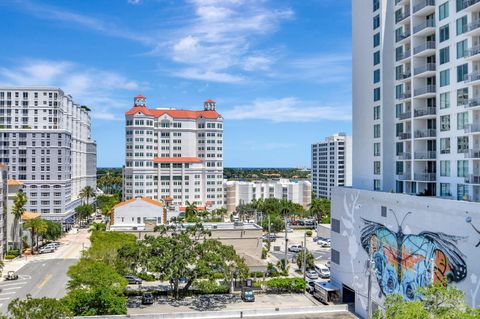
(413, 242)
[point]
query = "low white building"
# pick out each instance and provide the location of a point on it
(239, 192)
(409, 238)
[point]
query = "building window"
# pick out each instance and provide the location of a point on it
(336, 225)
(376, 149)
(443, 11)
(461, 25)
(445, 77)
(462, 144)
(376, 184)
(376, 40)
(376, 21)
(376, 168)
(384, 211)
(462, 192)
(376, 112)
(445, 100)
(444, 33)
(335, 256)
(462, 96)
(445, 55)
(376, 76)
(461, 48)
(445, 145)
(445, 123)
(376, 58)
(445, 168)
(399, 168)
(462, 120)
(376, 130)
(376, 94)
(445, 190)
(462, 71)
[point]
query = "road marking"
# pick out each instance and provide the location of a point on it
(5, 298)
(13, 284)
(7, 293)
(44, 282)
(11, 288)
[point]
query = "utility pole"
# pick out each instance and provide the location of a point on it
(286, 243)
(432, 271)
(371, 270)
(304, 264)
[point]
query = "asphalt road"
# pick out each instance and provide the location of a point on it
(40, 278)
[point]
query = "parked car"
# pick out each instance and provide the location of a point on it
(248, 295)
(271, 237)
(328, 264)
(293, 222)
(295, 248)
(44, 250)
(132, 280)
(11, 275)
(322, 271)
(52, 245)
(312, 274)
(323, 243)
(289, 230)
(310, 285)
(147, 299)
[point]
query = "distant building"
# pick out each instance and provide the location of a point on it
(331, 164)
(238, 192)
(177, 153)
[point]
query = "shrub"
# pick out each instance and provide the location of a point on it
(256, 274)
(147, 277)
(309, 233)
(264, 253)
(14, 252)
(284, 285)
(210, 287)
(9, 257)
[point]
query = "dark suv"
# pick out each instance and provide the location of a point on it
(248, 295)
(147, 299)
(132, 280)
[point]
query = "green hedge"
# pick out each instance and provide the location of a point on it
(283, 285)
(10, 257)
(309, 233)
(146, 277)
(210, 287)
(14, 252)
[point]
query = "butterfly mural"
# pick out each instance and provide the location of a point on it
(404, 262)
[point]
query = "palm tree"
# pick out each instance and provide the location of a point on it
(191, 211)
(87, 192)
(320, 207)
(37, 226)
(18, 209)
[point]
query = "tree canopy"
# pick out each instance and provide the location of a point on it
(38, 308)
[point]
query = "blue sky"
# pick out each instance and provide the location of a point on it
(280, 71)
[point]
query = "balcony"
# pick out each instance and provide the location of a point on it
(471, 103)
(403, 55)
(405, 95)
(424, 8)
(429, 133)
(405, 156)
(472, 77)
(404, 177)
(425, 111)
(425, 49)
(405, 115)
(425, 70)
(473, 28)
(425, 28)
(473, 53)
(472, 179)
(471, 5)
(404, 136)
(403, 16)
(403, 76)
(402, 36)
(425, 177)
(472, 128)
(428, 155)
(427, 91)
(472, 153)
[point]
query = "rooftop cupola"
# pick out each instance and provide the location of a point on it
(140, 100)
(209, 105)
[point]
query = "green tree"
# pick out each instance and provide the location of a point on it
(191, 212)
(320, 209)
(97, 302)
(37, 227)
(18, 209)
(86, 193)
(83, 211)
(98, 227)
(310, 260)
(106, 202)
(38, 308)
(438, 302)
(54, 230)
(105, 246)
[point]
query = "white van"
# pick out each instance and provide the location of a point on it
(322, 271)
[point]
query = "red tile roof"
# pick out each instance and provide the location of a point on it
(209, 101)
(179, 114)
(199, 208)
(145, 199)
(14, 182)
(139, 96)
(177, 160)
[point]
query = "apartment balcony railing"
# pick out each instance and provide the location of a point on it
(425, 177)
(472, 102)
(425, 155)
(403, 55)
(472, 179)
(402, 36)
(423, 4)
(472, 51)
(405, 95)
(425, 68)
(425, 111)
(472, 26)
(405, 115)
(404, 177)
(472, 128)
(472, 153)
(467, 3)
(405, 156)
(403, 76)
(422, 47)
(423, 26)
(402, 16)
(474, 76)
(425, 90)
(405, 136)
(425, 133)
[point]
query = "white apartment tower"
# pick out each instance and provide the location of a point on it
(174, 153)
(45, 139)
(331, 164)
(416, 97)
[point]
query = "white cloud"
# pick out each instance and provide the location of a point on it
(90, 86)
(210, 76)
(254, 63)
(287, 109)
(135, 1)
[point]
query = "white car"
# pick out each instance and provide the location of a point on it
(322, 271)
(312, 274)
(323, 243)
(44, 250)
(295, 248)
(289, 230)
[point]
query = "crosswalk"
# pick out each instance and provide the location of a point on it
(8, 289)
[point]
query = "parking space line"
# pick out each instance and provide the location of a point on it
(12, 288)
(7, 293)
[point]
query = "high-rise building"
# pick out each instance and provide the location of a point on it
(416, 97)
(45, 139)
(331, 164)
(174, 153)
(239, 192)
